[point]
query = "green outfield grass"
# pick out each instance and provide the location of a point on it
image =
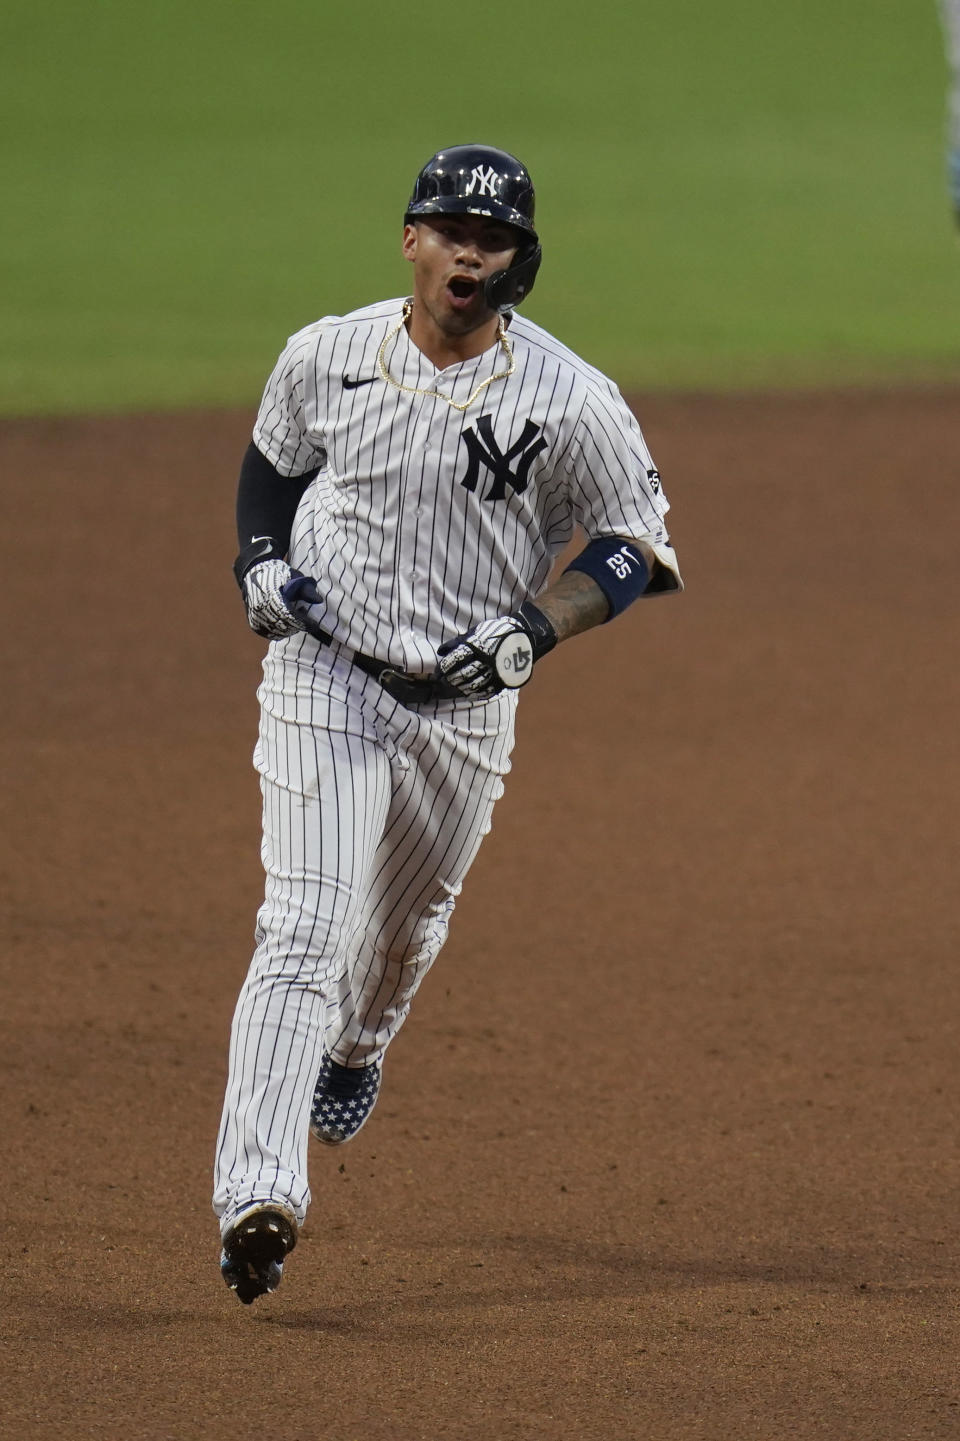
(742, 194)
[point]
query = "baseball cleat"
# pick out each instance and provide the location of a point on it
(255, 1246)
(342, 1101)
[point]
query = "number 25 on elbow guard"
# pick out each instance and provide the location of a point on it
(620, 563)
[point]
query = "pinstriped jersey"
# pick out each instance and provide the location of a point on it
(424, 520)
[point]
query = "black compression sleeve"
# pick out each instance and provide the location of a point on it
(266, 500)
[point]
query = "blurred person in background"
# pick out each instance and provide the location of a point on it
(950, 13)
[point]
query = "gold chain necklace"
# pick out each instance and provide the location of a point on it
(416, 390)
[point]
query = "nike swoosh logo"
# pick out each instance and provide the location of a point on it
(352, 384)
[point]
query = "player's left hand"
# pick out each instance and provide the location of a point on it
(497, 654)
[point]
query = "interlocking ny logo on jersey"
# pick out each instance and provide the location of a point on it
(486, 179)
(482, 449)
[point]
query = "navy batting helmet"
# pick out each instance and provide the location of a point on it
(481, 180)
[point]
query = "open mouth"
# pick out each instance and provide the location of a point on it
(462, 290)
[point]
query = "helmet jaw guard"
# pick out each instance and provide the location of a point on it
(506, 288)
(481, 180)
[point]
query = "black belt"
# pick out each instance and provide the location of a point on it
(407, 689)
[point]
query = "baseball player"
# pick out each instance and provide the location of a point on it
(950, 15)
(415, 469)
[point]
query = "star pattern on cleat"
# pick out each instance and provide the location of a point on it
(342, 1101)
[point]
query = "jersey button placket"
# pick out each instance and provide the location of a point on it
(413, 570)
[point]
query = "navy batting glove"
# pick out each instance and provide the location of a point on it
(300, 590)
(299, 595)
(262, 589)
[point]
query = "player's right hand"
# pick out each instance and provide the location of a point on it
(267, 611)
(300, 595)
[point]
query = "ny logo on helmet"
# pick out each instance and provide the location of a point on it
(482, 449)
(486, 179)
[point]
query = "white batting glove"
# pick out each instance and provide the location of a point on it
(497, 654)
(266, 610)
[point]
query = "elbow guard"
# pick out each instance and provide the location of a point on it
(618, 568)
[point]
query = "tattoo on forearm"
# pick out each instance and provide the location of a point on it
(574, 603)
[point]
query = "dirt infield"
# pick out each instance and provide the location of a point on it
(669, 1146)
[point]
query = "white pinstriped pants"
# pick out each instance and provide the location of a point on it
(372, 816)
